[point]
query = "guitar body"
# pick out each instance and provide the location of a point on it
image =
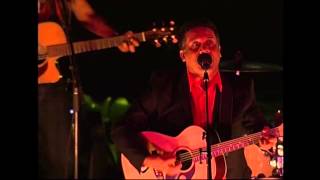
(258, 161)
(49, 33)
(188, 140)
(189, 149)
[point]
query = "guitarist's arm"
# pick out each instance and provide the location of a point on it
(97, 25)
(126, 133)
(92, 21)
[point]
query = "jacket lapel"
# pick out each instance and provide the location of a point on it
(183, 96)
(226, 106)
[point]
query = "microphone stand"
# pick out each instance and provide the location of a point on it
(208, 140)
(75, 83)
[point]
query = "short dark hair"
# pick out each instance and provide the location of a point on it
(199, 22)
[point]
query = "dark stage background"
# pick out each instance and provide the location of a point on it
(253, 27)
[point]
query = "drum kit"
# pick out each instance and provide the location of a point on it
(248, 67)
(239, 65)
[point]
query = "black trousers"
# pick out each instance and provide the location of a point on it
(55, 141)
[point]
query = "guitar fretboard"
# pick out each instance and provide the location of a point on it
(229, 146)
(91, 45)
(233, 145)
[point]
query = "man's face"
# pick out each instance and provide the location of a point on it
(197, 41)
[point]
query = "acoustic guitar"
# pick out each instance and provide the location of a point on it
(189, 148)
(52, 44)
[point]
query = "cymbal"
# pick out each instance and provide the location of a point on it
(249, 67)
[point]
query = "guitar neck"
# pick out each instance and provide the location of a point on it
(92, 45)
(233, 145)
(236, 144)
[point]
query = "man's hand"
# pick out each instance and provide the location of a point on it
(269, 139)
(130, 44)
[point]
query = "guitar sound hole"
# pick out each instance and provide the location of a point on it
(185, 158)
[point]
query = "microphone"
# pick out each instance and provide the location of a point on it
(204, 60)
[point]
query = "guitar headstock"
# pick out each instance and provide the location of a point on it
(268, 133)
(163, 34)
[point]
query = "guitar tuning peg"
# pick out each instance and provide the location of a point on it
(273, 163)
(163, 29)
(171, 28)
(280, 150)
(157, 43)
(172, 23)
(154, 29)
(165, 39)
(174, 39)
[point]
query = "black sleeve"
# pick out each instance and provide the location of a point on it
(247, 116)
(247, 119)
(126, 133)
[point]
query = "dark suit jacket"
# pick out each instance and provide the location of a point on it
(166, 108)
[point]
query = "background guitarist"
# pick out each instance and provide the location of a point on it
(54, 99)
(175, 100)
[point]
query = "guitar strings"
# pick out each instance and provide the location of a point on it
(251, 138)
(83, 46)
(186, 156)
(216, 152)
